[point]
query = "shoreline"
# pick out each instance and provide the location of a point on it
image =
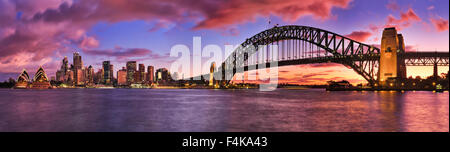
(282, 88)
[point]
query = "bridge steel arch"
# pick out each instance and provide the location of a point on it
(362, 58)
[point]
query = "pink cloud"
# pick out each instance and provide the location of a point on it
(89, 42)
(440, 24)
(360, 36)
(406, 19)
(290, 10)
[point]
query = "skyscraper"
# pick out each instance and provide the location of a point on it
(141, 73)
(77, 68)
(111, 71)
(162, 75)
(90, 74)
(65, 65)
(62, 73)
(131, 70)
(122, 76)
(150, 74)
(107, 72)
(77, 62)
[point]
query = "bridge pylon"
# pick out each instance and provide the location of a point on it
(392, 65)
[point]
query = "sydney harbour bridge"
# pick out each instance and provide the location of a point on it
(297, 45)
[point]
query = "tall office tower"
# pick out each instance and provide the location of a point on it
(65, 65)
(111, 71)
(90, 74)
(60, 73)
(131, 70)
(150, 74)
(107, 72)
(141, 73)
(77, 62)
(122, 76)
(79, 77)
(162, 75)
(77, 68)
(99, 76)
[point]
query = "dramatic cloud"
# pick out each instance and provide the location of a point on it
(440, 24)
(41, 29)
(406, 19)
(89, 42)
(360, 36)
(241, 11)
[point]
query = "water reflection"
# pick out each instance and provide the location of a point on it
(221, 110)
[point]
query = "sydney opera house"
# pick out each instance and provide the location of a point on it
(40, 80)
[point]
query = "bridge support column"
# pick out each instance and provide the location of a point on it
(435, 71)
(401, 65)
(392, 65)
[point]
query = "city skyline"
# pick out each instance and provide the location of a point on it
(148, 36)
(77, 74)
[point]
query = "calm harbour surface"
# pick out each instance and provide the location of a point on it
(167, 110)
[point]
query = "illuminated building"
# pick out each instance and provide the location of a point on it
(98, 76)
(90, 74)
(150, 74)
(77, 62)
(40, 80)
(141, 73)
(62, 75)
(79, 77)
(111, 71)
(23, 80)
(77, 68)
(211, 74)
(131, 70)
(162, 75)
(107, 72)
(122, 76)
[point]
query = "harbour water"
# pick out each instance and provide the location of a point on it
(168, 110)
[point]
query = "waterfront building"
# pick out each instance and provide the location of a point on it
(70, 76)
(141, 73)
(79, 77)
(111, 71)
(77, 68)
(77, 62)
(122, 77)
(40, 80)
(98, 76)
(131, 70)
(107, 72)
(23, 80)
(90, 74)
(62, 74)
(150, 74)
(162, 75)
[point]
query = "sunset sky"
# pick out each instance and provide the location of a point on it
(34, 33)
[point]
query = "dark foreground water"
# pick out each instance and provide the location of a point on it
(221, 110)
